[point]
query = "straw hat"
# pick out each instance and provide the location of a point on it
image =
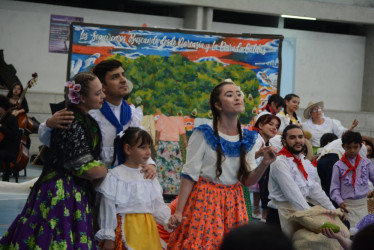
(309, 147)
(310, 106)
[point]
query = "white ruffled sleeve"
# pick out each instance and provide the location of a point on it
(161, 212)
(337, 128)
(195, 154)
(107, 220)
(251, 159)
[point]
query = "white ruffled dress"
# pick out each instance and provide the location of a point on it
(125, 191)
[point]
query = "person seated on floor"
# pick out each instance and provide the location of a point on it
(293, 179)
(9, 137)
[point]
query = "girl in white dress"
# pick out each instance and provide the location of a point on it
(130, 204)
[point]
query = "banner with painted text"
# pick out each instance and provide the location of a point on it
(174, 71)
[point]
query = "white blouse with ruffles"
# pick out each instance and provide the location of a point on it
(317, 130)
(201, 160)
(287, 183)
(125, 191)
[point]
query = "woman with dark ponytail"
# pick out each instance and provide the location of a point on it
(219, 161)
(288, 114)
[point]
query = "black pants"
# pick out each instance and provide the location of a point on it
(272, 217)
(5, 158)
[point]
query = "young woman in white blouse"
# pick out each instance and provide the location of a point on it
(130, 204)
(288, 114)
(219, 159)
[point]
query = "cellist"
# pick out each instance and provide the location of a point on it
(9, 136)
(14, 95)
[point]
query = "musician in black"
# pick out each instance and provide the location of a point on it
(9, 136)
(14, 96)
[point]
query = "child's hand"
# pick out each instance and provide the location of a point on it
(175, 220)
(109, 245)
(329, 233)
(343, 206)
(149, 171)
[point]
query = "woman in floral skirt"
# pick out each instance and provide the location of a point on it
(219, 160)
(58, 211)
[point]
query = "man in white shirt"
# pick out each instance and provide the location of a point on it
(293, 180)
(115, 116)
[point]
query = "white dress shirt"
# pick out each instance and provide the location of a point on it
(287, 184)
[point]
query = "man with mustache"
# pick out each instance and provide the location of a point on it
(293, 179)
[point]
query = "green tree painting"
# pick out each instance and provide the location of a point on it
(178, 86)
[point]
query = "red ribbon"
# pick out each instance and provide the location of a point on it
(284, 151)
(267, 107)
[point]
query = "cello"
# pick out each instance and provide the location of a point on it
(26, 125)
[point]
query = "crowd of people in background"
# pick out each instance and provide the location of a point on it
(100, 187)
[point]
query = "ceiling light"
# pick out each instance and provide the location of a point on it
(299, 17)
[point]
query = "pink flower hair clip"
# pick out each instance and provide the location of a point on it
(74, 89)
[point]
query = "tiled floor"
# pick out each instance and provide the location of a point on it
(11, 203)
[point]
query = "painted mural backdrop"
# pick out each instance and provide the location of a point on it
(173, 71)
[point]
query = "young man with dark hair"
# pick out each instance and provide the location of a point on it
(115, 115)
(293, 179)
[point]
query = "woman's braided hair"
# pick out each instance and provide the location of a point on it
(214, 98)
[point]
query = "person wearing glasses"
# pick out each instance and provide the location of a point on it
(318, 124)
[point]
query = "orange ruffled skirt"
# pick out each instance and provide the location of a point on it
(211, 210)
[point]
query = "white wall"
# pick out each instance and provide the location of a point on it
(24, 37)
(328, 67)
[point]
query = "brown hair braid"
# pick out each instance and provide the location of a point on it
(243, 169)
(214, 98)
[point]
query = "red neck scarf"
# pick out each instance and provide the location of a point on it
(284, 151)
(267, 107)
(350, 168)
